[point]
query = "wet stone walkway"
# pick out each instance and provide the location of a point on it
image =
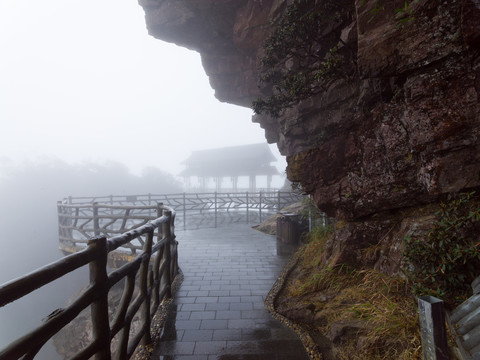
(219, 310)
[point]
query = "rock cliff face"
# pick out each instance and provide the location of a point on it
(401, 132)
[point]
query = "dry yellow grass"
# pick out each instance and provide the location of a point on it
(381, 303)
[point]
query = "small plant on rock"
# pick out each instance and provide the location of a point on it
(445, 260)
(304, 54)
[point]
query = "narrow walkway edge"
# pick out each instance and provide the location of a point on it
(158, 322)
(309, 344)
(219, 311)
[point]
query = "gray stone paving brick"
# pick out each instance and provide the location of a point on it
(193, 307)
(197, 335)
(219, 293)
(189, 287)
(240, 292)
(227, 334)
(219, 311)
(241, 306)
(188, 324)
(197, 293)
(183, 315)
(228, 314)
(254, 314)
(241, 324)
(217, 306)
(229, 299)
(252, 298)
(210, 347)
(214, 324)
(185, 300)
(206, 299)
(202, 315)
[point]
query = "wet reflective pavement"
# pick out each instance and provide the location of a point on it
(219, 310)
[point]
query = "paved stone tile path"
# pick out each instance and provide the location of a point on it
(219, 310)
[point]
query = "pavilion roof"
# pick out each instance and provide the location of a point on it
(241, 160)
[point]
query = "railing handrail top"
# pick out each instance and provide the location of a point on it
(119, 240)
(150, 195)
(84, 254)
(108, 206)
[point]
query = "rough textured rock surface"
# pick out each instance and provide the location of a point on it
(402, 132)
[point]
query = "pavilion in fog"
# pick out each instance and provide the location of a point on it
(229, 163)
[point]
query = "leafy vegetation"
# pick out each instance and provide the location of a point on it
(405, 14)
(445, 261)
(301, 56)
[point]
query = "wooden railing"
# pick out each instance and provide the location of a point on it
(200, 209)
(78, 223)
(148, 280)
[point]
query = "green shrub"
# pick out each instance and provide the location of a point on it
(313, 54)
(445, 260)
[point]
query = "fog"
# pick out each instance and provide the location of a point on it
(90, 104)
(28, 222)
(83, 81)
(28, 204)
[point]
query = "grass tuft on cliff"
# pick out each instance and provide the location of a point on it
(377, 311)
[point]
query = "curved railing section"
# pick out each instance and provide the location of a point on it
(147, 279)
(198, 210)
(77, 223)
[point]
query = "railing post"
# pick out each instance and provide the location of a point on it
(60, 216)
(149, 203)
(144, 270)
(433, 333)
(260, 206)
(159, 214)
(96, 223)
(99, 308)
(215, 209)
(278, 208)
(166, 254)
(184, 211)
(64, 222)
(247, 205)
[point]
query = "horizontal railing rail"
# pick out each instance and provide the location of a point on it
(148, 280)
(78, 223)
(195, 208)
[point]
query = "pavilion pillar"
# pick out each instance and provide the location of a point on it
(203, 184)
(252, 181)
(269, 182)
(218, 183)
(235, 182)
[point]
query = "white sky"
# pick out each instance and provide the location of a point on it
(81, 80)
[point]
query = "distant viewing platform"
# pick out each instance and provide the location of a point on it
(81, 218)
(229, 163)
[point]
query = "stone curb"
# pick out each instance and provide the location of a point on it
(145, 351)
(310, 346)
